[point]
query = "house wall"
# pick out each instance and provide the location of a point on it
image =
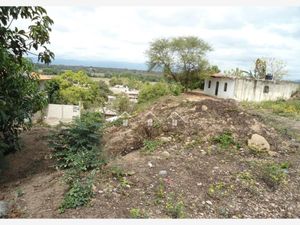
(221, 93)
(62, 112)
(253, 90)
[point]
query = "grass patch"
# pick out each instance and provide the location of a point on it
(150, 146)
(137, 213)
(274, 174)
(286, 108)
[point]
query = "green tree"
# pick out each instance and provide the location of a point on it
(74, 87)
(181, 59)
(19, 93)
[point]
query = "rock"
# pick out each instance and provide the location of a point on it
(204, 108)
(150, 165)
(165, 154)
(165, 139)
(163, 173)
(203, 152)
(199, 184)
(258, 142)
(1, 197)
(208, 202)
(272, 153)
(3, 209)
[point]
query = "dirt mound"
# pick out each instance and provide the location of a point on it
(179, 171)
(220, 116)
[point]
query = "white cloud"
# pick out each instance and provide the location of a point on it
(238, 35)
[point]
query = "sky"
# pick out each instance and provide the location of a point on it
(238, 35)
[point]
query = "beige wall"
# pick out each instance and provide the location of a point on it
(253, 90)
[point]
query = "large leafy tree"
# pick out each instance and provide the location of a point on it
(74, 87)
(181, 59)
(19, 93)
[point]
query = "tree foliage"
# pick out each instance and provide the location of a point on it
(19, 93)
(151, 92)
(181, 59)
(73, 87)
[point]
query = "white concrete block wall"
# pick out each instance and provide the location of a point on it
(229, 93)
(57, 111)
(253, 90)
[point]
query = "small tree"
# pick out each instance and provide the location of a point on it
(19, 93)
(122, 103)
(181, 59)
(276, 67)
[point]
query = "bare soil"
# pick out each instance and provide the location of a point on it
(194, 164)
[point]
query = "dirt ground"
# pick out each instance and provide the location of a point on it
(182, 170)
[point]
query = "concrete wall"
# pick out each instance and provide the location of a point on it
(250, 90)
(253, 90)
(64, 112)
(229, 93)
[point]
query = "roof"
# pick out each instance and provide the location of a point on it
(221, 75)
(41, 76)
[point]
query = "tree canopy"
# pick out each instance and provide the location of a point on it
(181, 59)
(20, 96)
(73, 87)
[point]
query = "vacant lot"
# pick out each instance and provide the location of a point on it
(203, 168)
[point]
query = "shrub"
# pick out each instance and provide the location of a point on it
(122, 103)
(77, 145)
(77, 148)
(151, 92)
(78, 195)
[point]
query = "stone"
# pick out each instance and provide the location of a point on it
(3, 209)
(150, 165)
(208, 202)
(204, 108)
(272, 153)
(258, 142)
(165, 154)
(163, 173)
(165, 139)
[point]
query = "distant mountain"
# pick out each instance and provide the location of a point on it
(106, 64)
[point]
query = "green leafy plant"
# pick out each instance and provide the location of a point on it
(77, 145)
(79, 194)
(160, 192)
(219, 190)
(77, 148)
(274, 174)
(174, 208)
(225, 140)
(137, 213)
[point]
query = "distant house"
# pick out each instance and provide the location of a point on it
(43, 79)
(246, 89)
(131, 93)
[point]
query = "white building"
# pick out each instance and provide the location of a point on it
(246, 89)
(131, 93)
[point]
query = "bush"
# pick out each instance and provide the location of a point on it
(78, 195)
(122, 103)
(77, 148)
(78, 145)
(151, 92)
